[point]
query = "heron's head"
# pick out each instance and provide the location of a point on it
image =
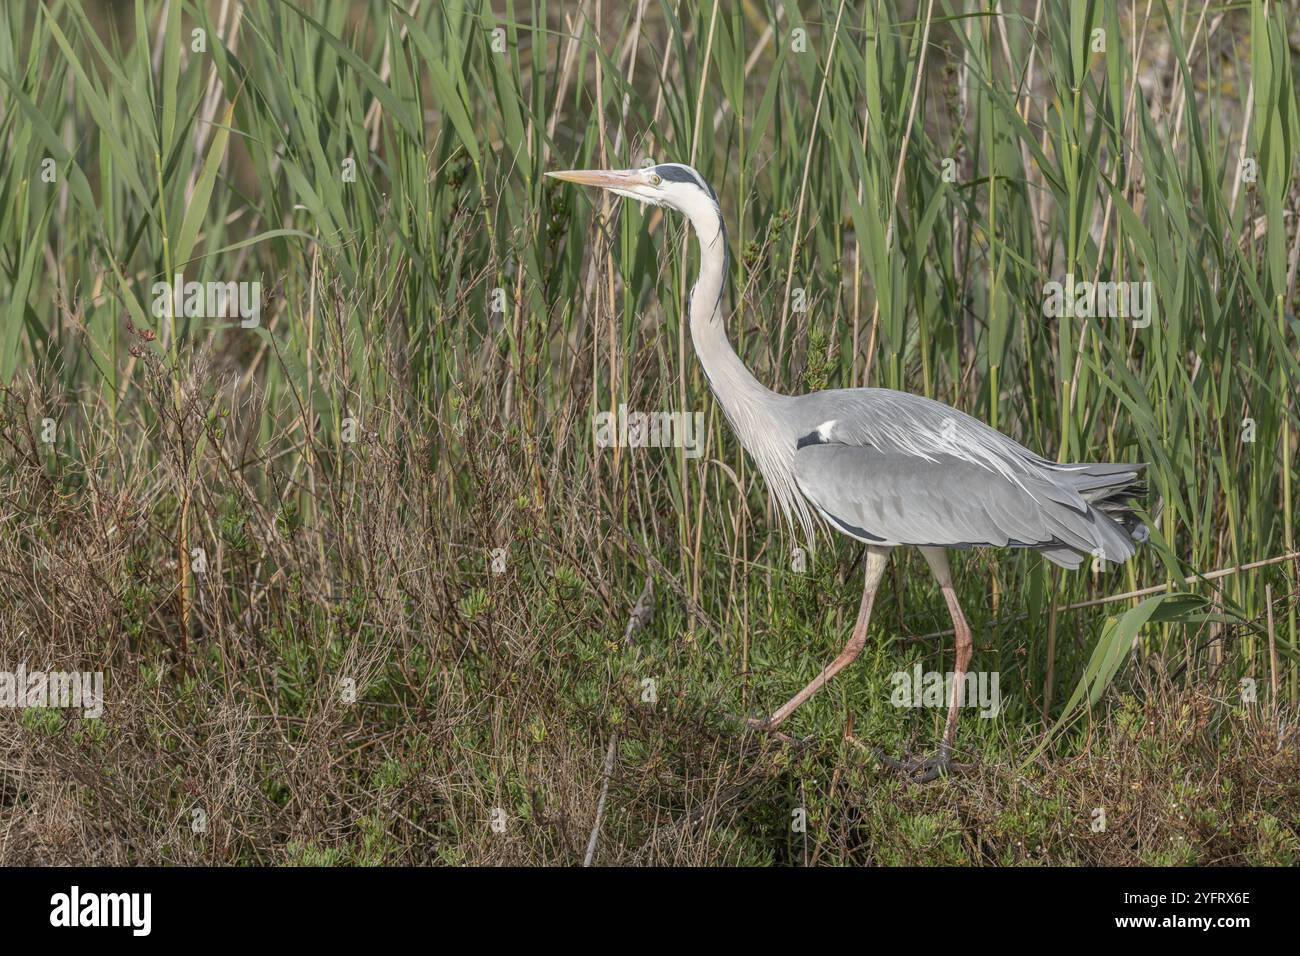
(674, 185)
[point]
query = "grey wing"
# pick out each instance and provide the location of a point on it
(912, 426)
(887, 497)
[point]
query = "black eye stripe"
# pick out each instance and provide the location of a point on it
(677, 173)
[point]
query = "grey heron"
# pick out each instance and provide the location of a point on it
(886, 468)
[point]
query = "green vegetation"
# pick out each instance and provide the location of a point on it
(356, 573)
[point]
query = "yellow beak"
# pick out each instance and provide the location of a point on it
(604, 178)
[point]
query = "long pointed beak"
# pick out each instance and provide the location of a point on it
(604, 178)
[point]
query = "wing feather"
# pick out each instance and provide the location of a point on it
(892, 467)
(899, 499)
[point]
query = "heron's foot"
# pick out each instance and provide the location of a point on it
(764, 725)
(924, 770)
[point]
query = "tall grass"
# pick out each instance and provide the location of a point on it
(900, 186)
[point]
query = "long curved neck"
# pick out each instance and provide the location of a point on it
(730, 380)
(754, 411)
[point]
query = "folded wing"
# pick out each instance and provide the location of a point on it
(891, 497)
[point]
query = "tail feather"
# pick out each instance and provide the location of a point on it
(1109, 490)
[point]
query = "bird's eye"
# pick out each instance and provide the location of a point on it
(655, 179)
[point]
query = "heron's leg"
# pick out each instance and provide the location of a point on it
(937, 558)
(877, 558)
